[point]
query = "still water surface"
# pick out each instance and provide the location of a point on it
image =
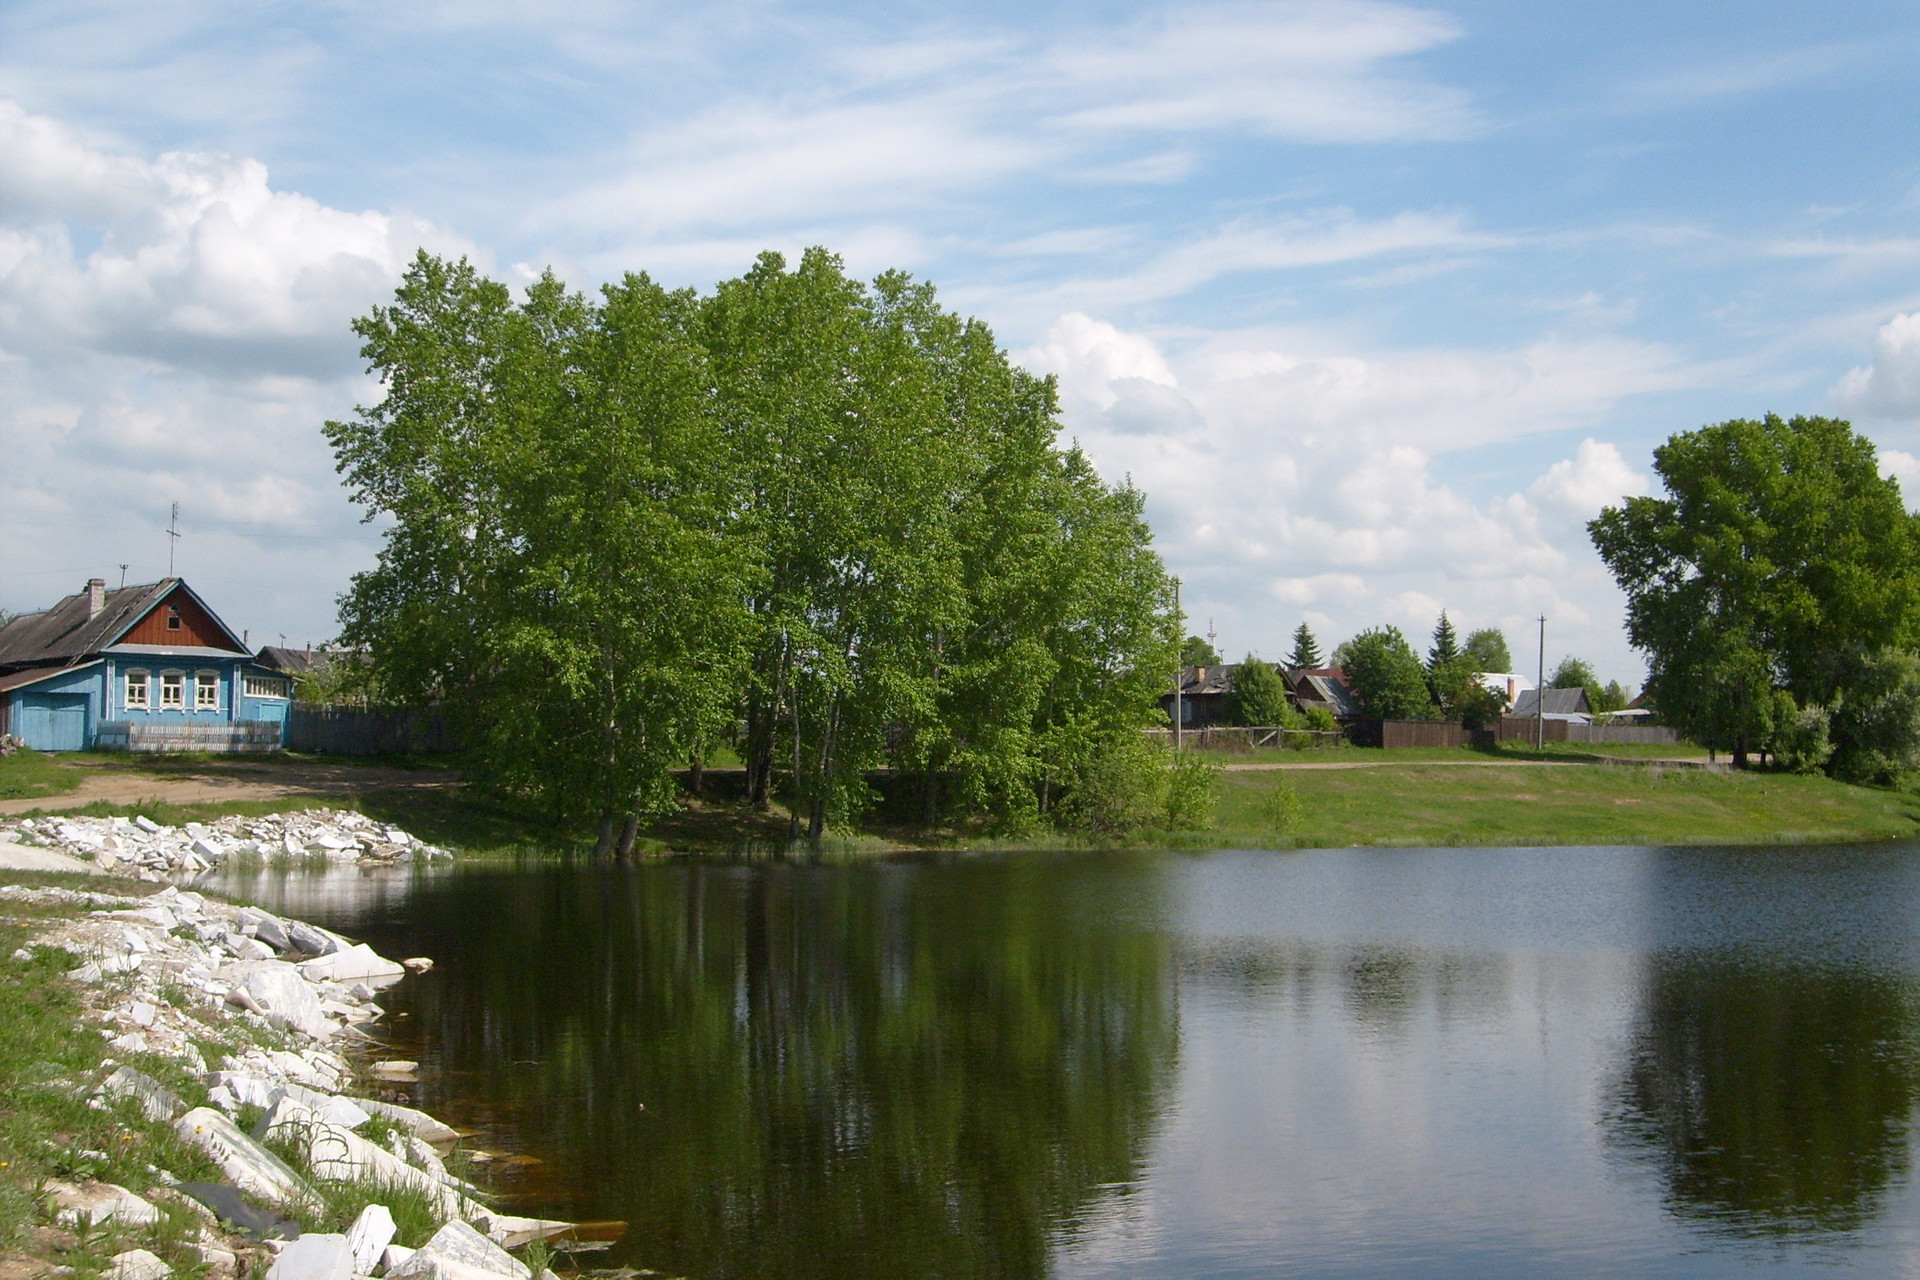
(1569, 1062)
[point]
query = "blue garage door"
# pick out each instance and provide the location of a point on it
(52, 721)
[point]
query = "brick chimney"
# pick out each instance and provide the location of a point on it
(96, 596)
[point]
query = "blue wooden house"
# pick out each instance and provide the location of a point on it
(147, 668)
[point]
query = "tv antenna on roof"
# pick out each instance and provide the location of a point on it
(173, 536)
(123, 575)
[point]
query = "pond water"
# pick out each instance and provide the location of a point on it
(1490, 1062)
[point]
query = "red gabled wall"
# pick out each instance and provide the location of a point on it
(197, 630)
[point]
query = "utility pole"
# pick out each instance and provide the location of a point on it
(1540, 693)
(123, 575)
(173, 536)
(1179, 670)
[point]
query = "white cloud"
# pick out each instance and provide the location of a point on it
(1284, 482)
(189, 353)
(1890, 386)
(1577, 488)
(1904, 468)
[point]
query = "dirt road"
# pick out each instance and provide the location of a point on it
(210, 783)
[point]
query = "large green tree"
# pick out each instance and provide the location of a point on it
(1259, 695)
(829, 509)
(1778, 559)
(1486, 650)
(1386, 676)
(1306, 649)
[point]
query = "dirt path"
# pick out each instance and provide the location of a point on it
(212, 783)
(1678, 762)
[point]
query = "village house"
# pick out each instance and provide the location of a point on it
(137, 668)
(1204, 690)
(1561, 704)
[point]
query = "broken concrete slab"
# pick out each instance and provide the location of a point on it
(98, 1203)
(137, 1264)
(369, 1237)
(441, 1137)
(457, 1248)
(253, 1169)
(277, 990)
(156, 1100)
(350, 964)
(314, 1257)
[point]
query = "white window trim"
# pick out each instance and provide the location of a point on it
(205, 680)
(180, 703)
(276, 683)
(145, 685)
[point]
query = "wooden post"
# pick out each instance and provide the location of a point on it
(1540, 698)
(1179, 670)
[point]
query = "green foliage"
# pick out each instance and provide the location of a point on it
(1486, 650)
(1573, 673)
(1259, 696)
(1320, 719)
(1446, 645)
(1129, 785)
(1280, 808)
(831, 510)
(1386, 676)
(1196, 652)
(1799, 736)
(1777, 556)
(1306, 649)
(1875, 722)
(338, 677)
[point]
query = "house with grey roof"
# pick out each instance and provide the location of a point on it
(148, 667)
(1561, 704)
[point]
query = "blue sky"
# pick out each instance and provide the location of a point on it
(1379, 303)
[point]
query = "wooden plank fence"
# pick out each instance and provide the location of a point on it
(1237, 738)
(365, 731)
(247, 737)
(1651, 734)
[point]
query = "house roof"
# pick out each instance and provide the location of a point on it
(21, 678)
(69, 631)
(1325, 684)
(1560, 702)
(292, 661)
(1207, 680)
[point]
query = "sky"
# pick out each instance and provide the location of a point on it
(1378, 303)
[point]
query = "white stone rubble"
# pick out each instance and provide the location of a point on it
(141, 845)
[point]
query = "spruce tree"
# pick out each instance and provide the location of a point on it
(1446, 646)
(1306, 650)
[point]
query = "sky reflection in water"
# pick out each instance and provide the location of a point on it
(1332, 1063)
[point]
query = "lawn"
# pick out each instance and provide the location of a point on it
(26, 775)
(1349, 754)
(1567, 804)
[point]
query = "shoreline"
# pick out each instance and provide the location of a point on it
(240, 1049)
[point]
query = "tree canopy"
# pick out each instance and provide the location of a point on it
(1486, 650)
(1259, 695)
(1386, 676)
(1778, 561)
(830, 511)
(1196, 652)
(1306, 649)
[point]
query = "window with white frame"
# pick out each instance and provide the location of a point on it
(206, 691)
(137, 691)
(266, 687)
(173, 689)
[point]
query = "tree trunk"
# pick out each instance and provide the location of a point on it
(605, 846)
(696, 775)
(629, 832)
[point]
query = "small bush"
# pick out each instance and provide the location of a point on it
(1280, 808)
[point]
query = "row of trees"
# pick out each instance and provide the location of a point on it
(831, 512)
(1775, 589)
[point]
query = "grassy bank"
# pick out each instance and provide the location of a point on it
(1560, 805)
(29, 775)
(1412, 796)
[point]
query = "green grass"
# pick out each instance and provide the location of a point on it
(1575, 804)
(27, 774)
(1553, 751)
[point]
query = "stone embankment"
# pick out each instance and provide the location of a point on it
(292, 1009)
(141, 846)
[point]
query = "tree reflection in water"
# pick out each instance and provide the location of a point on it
(1772, 1100)
(784, 1071)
